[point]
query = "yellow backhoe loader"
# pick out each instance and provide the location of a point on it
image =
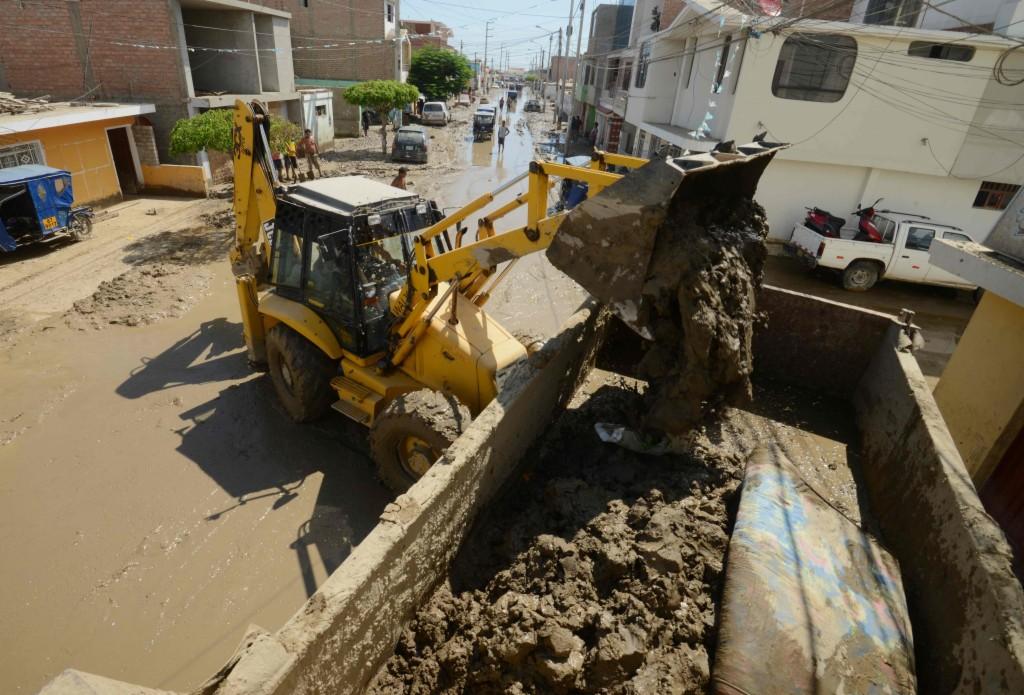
(365, 298)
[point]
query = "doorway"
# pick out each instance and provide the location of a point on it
(124, 159)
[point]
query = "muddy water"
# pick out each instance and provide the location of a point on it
(534, 297)
(155, 501)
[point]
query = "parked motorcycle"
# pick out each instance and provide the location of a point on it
(828, 225)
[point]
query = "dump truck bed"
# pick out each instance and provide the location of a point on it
(856, 401)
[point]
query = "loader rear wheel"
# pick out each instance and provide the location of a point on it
(411, 434)
(301, 373)
(860, 276)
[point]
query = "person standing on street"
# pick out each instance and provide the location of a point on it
(291, 161)
(501, 103)
(312, 152)
(366, 123)
(399, 181)
(502, 134)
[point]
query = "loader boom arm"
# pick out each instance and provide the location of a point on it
(254, 207)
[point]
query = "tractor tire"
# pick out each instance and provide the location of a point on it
(860, 276)
(80, 227)
(301, 374)
(411, 434)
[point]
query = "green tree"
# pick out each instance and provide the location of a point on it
(382, 96)
(439, 73)
(283, 131)
(210, 130)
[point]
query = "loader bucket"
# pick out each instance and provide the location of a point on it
(607, 242)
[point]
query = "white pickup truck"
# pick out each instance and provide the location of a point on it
(902, 255)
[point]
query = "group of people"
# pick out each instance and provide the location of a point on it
(287, 163)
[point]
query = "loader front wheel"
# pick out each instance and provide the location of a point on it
(301, 374)
(860, 276)
(411, 434)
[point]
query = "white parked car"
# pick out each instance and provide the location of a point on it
(435, 113)
(903, 254)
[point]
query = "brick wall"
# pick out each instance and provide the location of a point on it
(145, 144)
(340, 20)
(69, 49)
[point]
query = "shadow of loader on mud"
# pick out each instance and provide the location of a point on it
(243, 440)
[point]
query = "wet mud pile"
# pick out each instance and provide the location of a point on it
(707, 266)
(599, 571)
(679, 257)
(170, 272)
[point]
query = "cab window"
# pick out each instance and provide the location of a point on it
(920, 238)
(286, 252)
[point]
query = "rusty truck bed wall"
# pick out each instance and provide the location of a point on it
(966, 606)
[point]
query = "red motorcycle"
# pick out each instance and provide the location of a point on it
(827, 224)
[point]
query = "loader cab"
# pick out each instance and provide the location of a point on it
(342, 246)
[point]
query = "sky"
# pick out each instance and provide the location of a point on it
(515, 24)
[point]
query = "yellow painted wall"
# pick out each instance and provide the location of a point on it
(175, 178)
(82, 149)
(981, 391)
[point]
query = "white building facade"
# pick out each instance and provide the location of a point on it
(928, 120)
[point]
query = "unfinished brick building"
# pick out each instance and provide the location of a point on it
(369, 46)
(183, 56)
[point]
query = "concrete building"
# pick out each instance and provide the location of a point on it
(609, 33)
(427, 32)
(913, 116)
(559, 66)
(952, 15)
(340, 43)
(108, 148)
(182, 56)
(981, 391)
(318, 115)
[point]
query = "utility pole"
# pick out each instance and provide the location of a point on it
(487, 35)
(558, 83)
(565, 64)
(576, 73)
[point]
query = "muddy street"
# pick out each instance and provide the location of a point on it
(155, 500)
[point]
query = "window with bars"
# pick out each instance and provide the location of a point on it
(22, 153)
(641, 66)
(995, 196)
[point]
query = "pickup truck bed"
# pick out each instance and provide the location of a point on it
(829, 252)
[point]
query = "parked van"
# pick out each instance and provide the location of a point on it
(411, 144)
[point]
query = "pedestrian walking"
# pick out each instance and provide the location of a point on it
(502, 134)
(501, 103)
(312, 153)
(574, 128)
(366, 123)
(399, 181)
(291, 161)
